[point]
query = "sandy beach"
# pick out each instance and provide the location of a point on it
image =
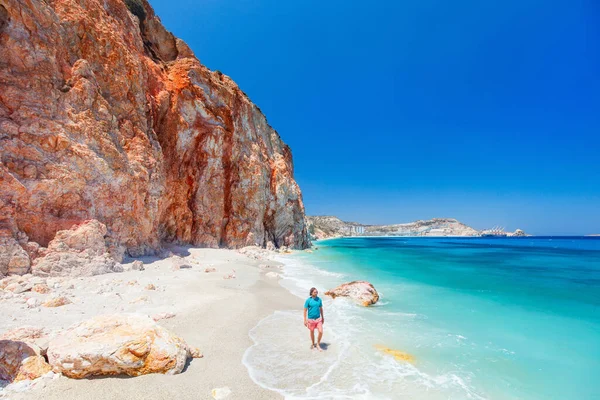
(210, 312)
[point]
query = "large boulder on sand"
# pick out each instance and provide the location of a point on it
(82, 250)
(130, 344)
(360, 291)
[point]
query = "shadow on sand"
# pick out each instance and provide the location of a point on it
(166, 252)
(324, 346)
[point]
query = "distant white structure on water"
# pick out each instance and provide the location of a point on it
(495, 231)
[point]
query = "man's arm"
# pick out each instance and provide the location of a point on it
(322, 315)
(305, 312)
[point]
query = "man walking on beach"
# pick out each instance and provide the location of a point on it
(314, 317)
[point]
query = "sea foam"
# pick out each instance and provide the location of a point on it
(350, 368)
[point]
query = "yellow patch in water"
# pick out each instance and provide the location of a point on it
(397, 354)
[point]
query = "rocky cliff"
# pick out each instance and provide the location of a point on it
(105, 115)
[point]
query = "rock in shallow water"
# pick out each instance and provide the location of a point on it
(131, 344)
(397, 354)
(360, 291)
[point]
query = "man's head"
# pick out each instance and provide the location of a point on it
(314, 292)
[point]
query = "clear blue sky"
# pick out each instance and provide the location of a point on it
(485, 111)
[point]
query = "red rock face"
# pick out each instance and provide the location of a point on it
(106, 116)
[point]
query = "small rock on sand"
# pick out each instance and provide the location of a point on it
(230, 276)
(177, 266)
(40, 288)
(221, 393)
(210, 269)
(19, 288)
(141, 299)
(137, 265)
(57, 302)
(273, 275)
(195, 352)
(32, 302)
(165, 315)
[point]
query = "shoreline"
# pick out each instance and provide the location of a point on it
(455, 318)
(212, 313)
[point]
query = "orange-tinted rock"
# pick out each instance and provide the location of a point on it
(57, 302)
(130, 344)
(32, 368)
(164, 315)
(361, 291)
(107, 117)
(41, 288)
(18, 361)
(397, 354)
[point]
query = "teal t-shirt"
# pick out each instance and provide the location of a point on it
(313, 306)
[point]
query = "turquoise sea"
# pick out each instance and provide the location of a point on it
(484, 318)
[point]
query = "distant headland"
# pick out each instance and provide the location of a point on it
(324, 227)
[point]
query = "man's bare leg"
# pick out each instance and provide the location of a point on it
(312, 338)
(319, 340)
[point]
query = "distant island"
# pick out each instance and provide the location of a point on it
(324, 227)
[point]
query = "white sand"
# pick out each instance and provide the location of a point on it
(212, 313)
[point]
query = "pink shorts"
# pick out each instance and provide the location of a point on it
(315, 324)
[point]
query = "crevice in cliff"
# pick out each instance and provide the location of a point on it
(4, 18)
(269, 218)
(160, 45)
(227, 177)
(136, 7)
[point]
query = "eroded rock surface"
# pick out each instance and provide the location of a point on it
(131, 344)
(360, 291)
(19, 361)
(105, 115)
(83, 250)
(14, 260)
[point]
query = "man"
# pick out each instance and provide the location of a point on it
(314, 317)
